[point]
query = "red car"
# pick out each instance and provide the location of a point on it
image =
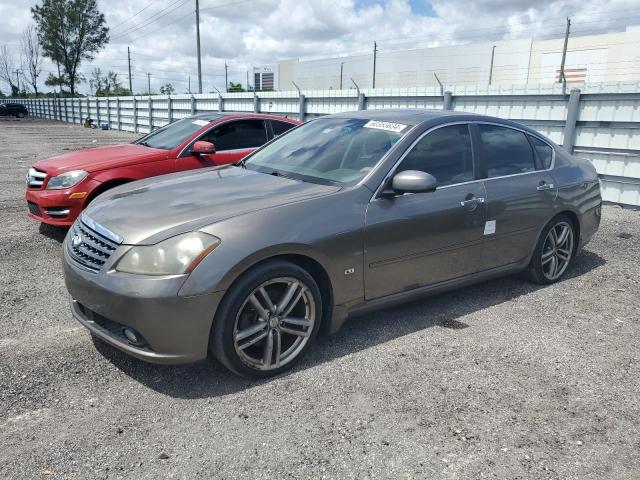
(60, 187)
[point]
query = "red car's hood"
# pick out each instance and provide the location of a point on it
(100, 158)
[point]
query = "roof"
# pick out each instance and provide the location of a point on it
(211, 116)
(410, 116)
(415, 116)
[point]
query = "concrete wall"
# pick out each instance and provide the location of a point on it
(590, 59)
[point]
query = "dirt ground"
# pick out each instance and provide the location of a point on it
(504, 379)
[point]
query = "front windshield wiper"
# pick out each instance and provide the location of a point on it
(241, 164)
(146, 144)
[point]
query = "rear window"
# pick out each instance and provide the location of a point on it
(505, 151)
(543, 150)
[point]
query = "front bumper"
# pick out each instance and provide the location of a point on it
(175, 329)
(49, 204)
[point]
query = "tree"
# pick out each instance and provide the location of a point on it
(106, 85)
(70, 32)
(31, 57)
(167, 89)
(8, 68)
(236, 87)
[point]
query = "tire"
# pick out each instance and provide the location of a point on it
(20, 115)
(240, 336)
(550, 261)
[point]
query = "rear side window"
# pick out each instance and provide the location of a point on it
(445, 153)
(543, 150)
(237, 135)
(505, 151)
(280, 127)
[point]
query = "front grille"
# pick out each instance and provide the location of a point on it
(35, 178)
(88, 248)
(33, 208)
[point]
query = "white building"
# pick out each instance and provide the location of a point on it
(593, 58)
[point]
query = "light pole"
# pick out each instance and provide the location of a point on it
(341, 69)
(149, 82)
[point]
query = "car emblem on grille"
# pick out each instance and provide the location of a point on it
(76, 240)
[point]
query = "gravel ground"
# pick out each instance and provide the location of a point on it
(500, 380)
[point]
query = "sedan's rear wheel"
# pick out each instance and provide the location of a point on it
(267, 320)
(554, 251)
(20, 115)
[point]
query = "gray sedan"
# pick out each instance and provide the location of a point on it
(344, 214)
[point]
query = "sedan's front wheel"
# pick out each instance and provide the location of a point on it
(267, 320)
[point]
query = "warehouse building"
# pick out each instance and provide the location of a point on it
(610, 57)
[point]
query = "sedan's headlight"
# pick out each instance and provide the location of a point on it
(176, 255)
(66, 180)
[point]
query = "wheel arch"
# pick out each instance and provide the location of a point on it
(104, 186)
(308, 262)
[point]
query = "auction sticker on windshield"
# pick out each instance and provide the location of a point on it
(389, 126)
(202, 123)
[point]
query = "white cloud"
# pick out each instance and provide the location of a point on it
(254, 32)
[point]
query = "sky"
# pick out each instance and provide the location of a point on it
(246, 33)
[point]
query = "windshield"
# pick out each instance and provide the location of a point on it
(172, 135)
(328, 150)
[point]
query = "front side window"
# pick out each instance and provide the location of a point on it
(172, 135)
(445, 153)
(237, 135)
(280, 127)
(505, 151)
(329, 150)
(543, 150)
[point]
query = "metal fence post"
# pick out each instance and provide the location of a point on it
(361, 101)
(118, 113)
(256, 103)
(169, 109)
(135, 115)
(573, 111)
(220, 103)
(193, 105)
(302, 105)
(80, 111)
(447, 101)
(109, 111)
(98, 111)
(150, 114)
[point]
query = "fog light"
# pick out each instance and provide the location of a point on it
(132, 336)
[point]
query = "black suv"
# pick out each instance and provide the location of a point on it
(15, 109)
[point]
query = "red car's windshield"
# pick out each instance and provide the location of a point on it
(172, 135)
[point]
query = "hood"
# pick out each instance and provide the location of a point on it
(148, 211)
(100, 158)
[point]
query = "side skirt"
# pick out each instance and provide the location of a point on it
(342, 312)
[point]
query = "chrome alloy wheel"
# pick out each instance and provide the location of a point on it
(274, 323)
(557, 250)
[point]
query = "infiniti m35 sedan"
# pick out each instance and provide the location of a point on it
(344, 214)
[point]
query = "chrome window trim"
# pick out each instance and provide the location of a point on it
(190, 144)
(467, 122)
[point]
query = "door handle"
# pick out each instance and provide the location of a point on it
(545, 186)
(472, 201)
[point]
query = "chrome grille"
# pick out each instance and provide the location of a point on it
(89, 248)
(35, 178)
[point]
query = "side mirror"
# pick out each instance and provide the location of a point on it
(203, 148)
(413, 181)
